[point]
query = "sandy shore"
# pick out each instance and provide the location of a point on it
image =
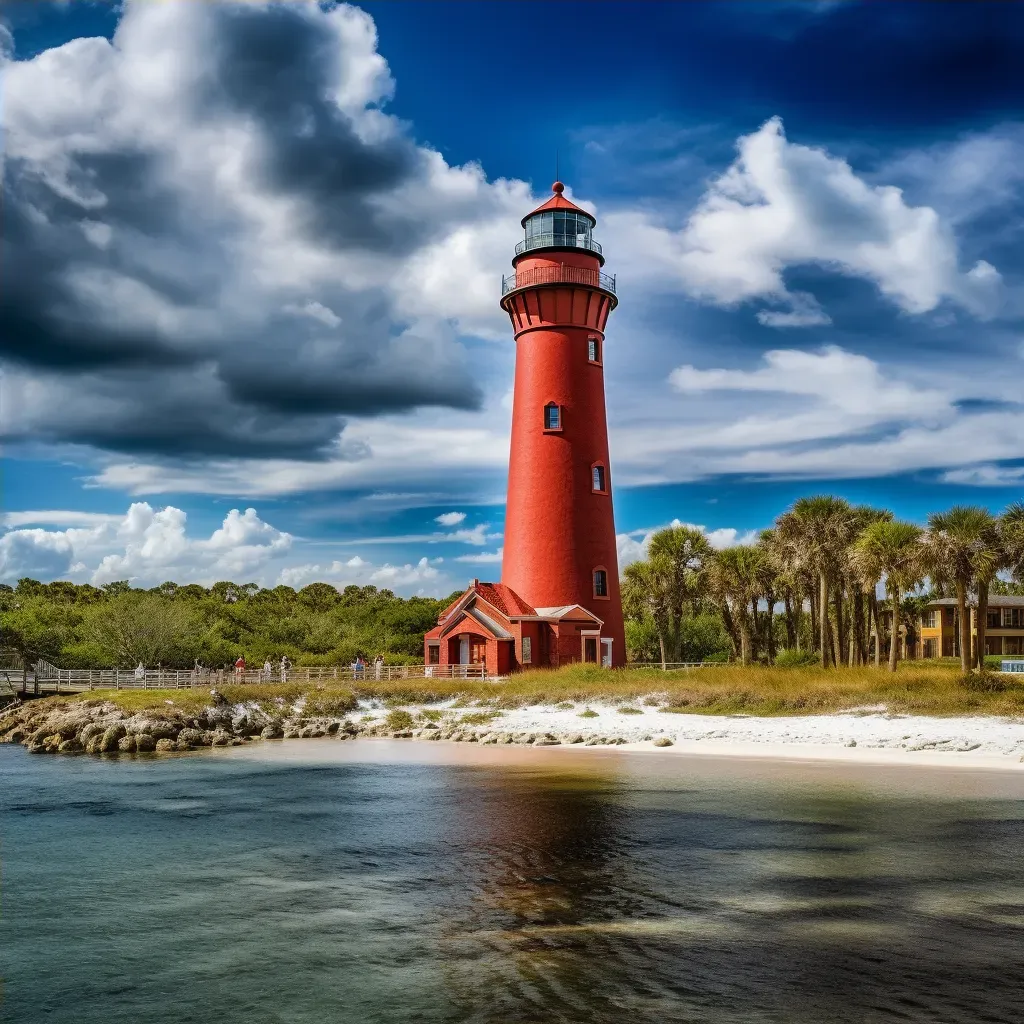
(865, 735)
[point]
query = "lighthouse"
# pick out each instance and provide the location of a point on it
(558, 600)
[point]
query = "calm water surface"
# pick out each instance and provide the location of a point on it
(380, 882)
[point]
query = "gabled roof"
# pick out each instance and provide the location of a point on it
(502, 599)
(559, 202)
(505, 599)
(562, 611)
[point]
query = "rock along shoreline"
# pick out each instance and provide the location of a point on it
(101, 727)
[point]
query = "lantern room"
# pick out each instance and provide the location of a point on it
(559, 224)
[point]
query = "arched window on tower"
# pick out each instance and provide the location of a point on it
(552, 417)
(600, 583)
(597, 480)
(593, 350)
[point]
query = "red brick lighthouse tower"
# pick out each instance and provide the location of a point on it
(558, 601)
(559, 526)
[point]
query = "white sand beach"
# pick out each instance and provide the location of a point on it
(862, 735)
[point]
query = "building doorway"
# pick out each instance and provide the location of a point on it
(590, 649)
(606, 653)
(472, 651)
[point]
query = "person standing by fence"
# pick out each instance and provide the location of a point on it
(285, 665)
(240, 668)
(140, 673)
(268, 671)
(378, 666)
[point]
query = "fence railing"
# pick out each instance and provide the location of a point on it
(670, 666)
(558, 275)
(51, 679)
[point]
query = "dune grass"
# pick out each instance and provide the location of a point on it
(917, 687)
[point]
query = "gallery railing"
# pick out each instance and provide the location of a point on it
(558, 275)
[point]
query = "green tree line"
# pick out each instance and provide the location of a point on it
(807, 589)
(82, 626)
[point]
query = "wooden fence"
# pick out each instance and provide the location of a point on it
(49, 678)
(672, 666)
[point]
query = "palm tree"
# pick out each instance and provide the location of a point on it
(892, 549)
(819, 530)
(687, 554)
(859, 588)
(737, 580)
(647, 590)
(963, 548)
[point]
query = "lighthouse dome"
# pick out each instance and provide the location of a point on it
(559, 224)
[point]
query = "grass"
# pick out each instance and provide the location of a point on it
(917, 687)
(479, 718)
(627, 710)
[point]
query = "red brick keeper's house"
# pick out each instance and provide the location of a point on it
(492, 626)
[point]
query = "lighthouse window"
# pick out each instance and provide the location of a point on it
(593, 350)
(552, 417)
(598, 473)
(559, 228)
(600, 583)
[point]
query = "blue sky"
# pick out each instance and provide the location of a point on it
(252, 255)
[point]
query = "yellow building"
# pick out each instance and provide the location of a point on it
(939, 634)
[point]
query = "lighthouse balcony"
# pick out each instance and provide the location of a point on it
(558, 275)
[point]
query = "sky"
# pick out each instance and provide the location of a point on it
(249, 321)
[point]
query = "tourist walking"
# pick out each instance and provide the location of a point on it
(268, 670)
(285, 665)
(140, 672)
(378, 666)
(240, 668)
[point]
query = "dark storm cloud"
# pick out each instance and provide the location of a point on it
(277, 69)
(130, 248)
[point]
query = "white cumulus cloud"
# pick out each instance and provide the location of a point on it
(450, 518)
(783, 204)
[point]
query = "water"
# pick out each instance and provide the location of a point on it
(380, 882)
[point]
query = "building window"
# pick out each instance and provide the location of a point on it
(598, 478)
(433, 654)
(600, 583)
(928, 619)
(1011, 618)
(992, 620)
(527, 650)
(930, 649)
(552, 417)
(593, 350)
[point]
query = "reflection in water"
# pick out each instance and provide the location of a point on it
(571, 888)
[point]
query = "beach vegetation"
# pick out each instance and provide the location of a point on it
(399, 720)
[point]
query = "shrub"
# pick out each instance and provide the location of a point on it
(399, 720)
(718, 658)
(984, 682)
(792, 658)
(626, 710)
(589, 713)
